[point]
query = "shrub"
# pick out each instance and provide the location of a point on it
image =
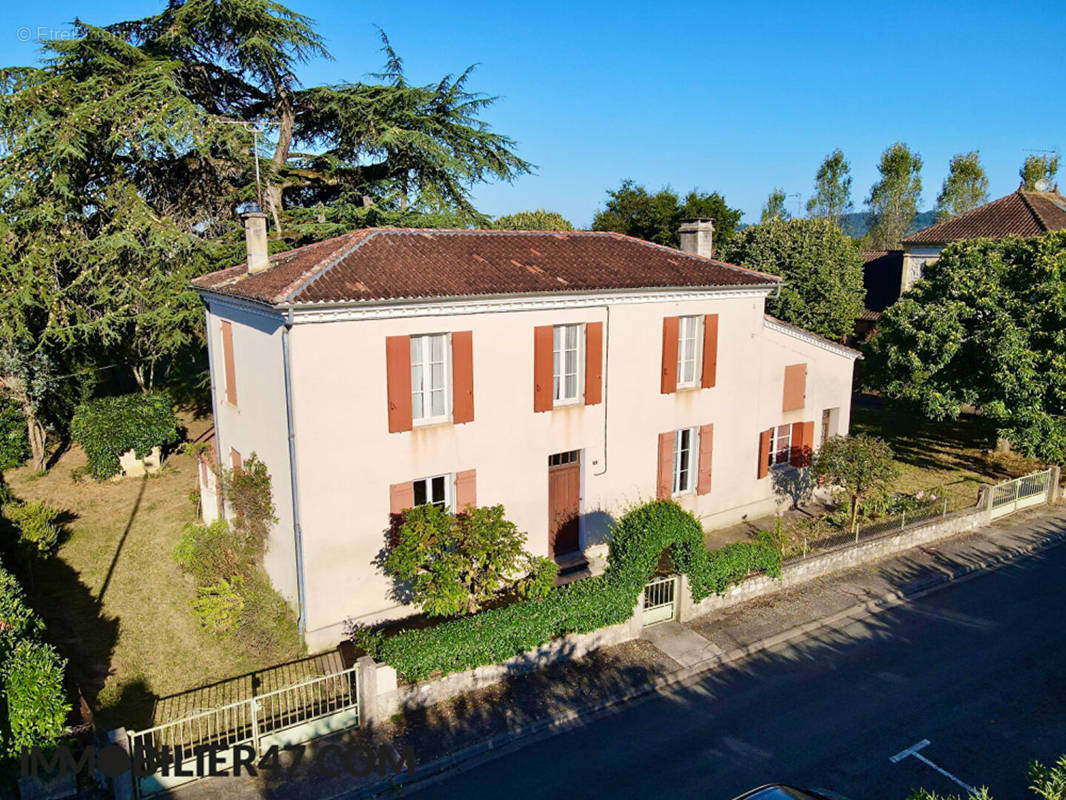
(210, 553)
(36, 523)
(17, 620)
(14, 443)
(364, 637)
(637, 541)
(249, 494)
(267, 622)
(37, 707)
(220, 605)
(109, 426)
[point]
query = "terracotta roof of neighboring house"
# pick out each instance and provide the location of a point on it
(1019, 214)
(403, 263)
(882, 274)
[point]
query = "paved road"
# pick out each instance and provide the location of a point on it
(978, 668)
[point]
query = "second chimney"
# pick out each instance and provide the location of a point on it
(697, 236)
(255, 239)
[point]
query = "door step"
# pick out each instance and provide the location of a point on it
(572, 567)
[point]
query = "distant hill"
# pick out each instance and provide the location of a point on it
(856, 224)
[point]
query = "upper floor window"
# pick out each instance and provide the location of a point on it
(566, 363)
(688, 352)
(780, 445)
(430, 378)
(684, 461)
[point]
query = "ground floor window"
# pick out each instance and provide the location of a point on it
(435, 491)
(780, 444)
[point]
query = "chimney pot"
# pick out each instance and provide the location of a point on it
(255, 240)
(697, 236)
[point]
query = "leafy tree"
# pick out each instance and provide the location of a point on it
(775, 206)
(986, 326)
(14, 444)
(1038, 168)
(965, 188)
(457, 562)
(861, 465)
(822, 268)
(832, 189)
(893, 200)
(632, 210)
(539, 220)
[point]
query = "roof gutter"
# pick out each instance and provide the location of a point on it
(297, 532)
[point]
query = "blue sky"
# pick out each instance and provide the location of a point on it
(736, 98)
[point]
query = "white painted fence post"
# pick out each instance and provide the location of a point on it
(367, 691)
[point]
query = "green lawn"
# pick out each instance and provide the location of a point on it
(114, 601)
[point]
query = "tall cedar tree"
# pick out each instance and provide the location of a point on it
(965, 188)
(893, 200)
(822, 268)
(832, 189)
(985, 327)
(126, 153)
(632, 210)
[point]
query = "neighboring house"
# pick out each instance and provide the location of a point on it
(1022, 213)
(562, 375)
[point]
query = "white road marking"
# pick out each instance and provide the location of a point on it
(913, 751)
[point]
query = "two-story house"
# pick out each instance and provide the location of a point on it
(562, 375)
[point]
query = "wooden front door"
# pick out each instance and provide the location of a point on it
(564, 502)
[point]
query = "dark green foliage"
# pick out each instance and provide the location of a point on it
(14, 444)
(986, 326)
(632, 210)
(109, 426)
(37, 525)
(364, 637)
(539, 220)
(37, 707)
(893, 200)
(249, 494)
(832, 189)
(822, 268)
(637, 542)
(964, 189)
(17, 620)
(860, 465)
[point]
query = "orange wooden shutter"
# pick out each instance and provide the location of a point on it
(398, 366)
(795, 387)
(795, 450)
(401, 497)
(764, 453)
(463, 376)
(669, 381)
(703, 485)
(665, 482)
(593, 363)
(229, 367)
(710, 350)
(543, 343)
(465, 489)
(234, 460)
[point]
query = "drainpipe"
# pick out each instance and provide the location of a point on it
(606, 394)
(297, 535)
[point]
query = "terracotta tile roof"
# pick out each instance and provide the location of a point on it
(399, 263)
(1019, 214)
(882, 274)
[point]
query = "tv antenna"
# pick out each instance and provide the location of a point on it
(255, 152)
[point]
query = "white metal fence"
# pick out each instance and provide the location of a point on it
(294, 714)
(1029, 490)
(660, 600)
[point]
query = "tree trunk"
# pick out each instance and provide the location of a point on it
(36, 433)
(286, 126)
(855, 514)
(145, 377)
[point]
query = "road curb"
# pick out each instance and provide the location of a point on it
(498, 746)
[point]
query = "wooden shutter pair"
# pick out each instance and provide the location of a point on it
(664, 483)
(709, 372)
(544, 367)
(398, 379)
(801, 446)
(402, 495)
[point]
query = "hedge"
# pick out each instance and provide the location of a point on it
(109, 426)
(637, 541)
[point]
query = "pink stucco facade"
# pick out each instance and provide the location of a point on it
(345, 459)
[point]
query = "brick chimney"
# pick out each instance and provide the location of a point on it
(255, 239)
(697, 236)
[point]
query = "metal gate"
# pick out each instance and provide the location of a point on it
(292, 715)
(1029, 490)
(660, 600)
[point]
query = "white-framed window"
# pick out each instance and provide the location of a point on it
(435, 491)
(568, 358)
(689, 345)
(431, 378)
(780, 445)
(686, 451)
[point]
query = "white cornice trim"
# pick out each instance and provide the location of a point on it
(810, 338)
(508, 303)
(212, 299)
